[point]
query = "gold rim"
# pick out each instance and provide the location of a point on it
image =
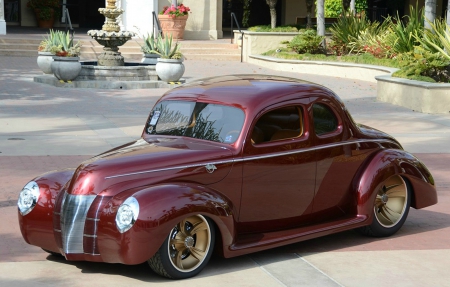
(189, 243)
(390, 203)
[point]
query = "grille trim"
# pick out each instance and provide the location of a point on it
(73, 216)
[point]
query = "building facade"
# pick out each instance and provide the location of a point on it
(207, 20)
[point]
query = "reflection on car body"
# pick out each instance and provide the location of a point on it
(243, 163)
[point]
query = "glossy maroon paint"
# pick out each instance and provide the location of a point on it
(259, 197)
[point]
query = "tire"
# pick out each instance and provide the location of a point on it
(390, 208)
(187, 249)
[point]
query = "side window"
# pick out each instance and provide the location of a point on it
(324, 119)
(279, 124)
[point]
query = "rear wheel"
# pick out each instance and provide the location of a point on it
(390, 208)
(186, 250)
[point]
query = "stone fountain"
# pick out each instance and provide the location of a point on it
(110, 37)
(111, 71)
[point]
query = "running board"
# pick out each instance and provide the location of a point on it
(262, 241)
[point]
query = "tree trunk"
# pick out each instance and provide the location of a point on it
(430, 12)
(321, 20)
(309, 5)
(345, 6)
(353, 6)
(273, 12)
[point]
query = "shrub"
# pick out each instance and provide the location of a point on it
(267, 28)
(423, 65)
(306, 42)
(347, 30)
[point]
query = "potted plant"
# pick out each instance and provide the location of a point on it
(66, 63)
(45, 56)
(46, 11)
(173, 20)
(170, 67)
(150, 44)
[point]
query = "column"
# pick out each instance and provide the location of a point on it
(2, 18)
(138, 16)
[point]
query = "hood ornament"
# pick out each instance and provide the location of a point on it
(210, 168)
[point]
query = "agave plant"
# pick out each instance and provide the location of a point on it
(150, 44)
(347, 30)
(436, 39)
(62, 44)
(165, 50)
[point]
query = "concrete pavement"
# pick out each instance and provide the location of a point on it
(44, 128)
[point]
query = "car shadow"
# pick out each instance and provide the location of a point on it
(421, 231)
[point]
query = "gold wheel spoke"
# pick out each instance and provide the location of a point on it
(396, 192)
(395, 206)
(197, 253)
(178, 243)
(386, 189)
(199, 226)
(385, 215)
(178, 261)
(182, 227)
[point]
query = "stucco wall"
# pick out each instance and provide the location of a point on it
(205, 19)
(293, 9)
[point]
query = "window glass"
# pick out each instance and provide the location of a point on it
(279, 124)
(324, 119)
(197, 120)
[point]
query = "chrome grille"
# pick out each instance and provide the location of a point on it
(73, 216)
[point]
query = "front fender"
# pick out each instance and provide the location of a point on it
(37, 226)
(386, 163)
(161, 208)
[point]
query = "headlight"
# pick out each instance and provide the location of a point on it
(28, 197)
(127, 214)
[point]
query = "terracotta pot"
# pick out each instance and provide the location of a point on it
(173, 26)
(45, 23)
(44, 61)
(169, 70)
(66, 68)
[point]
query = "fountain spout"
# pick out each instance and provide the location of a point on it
(110, 37)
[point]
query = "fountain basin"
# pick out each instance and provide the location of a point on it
(130, 76)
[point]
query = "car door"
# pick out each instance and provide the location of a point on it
(337, 161)
(278, 169)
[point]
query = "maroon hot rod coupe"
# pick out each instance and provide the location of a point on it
(234, 163)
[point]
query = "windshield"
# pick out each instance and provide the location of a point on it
(196, 120)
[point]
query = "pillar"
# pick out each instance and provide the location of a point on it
(2, 18)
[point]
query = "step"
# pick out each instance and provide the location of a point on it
(22, 47)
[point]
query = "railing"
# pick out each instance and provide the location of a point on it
(156, 28)
(233, 17)
(66, 20)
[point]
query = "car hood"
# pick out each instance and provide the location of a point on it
(141, 163)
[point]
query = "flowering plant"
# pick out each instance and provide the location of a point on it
(175, 11)
(47, 8)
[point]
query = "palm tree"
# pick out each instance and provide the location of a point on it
(273, 12)
(321, 21)
(309, 5)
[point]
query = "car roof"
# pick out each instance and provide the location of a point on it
(246, 91)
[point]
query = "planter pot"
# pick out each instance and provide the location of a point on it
(66, 68)
(44, 61)
(150, 59)
(48, 23)
(173, 26)
(169, 70)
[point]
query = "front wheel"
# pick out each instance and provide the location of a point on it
(186, 250)
(390, 208)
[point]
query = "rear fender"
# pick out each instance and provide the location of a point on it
(386, 163)
(161, 208)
